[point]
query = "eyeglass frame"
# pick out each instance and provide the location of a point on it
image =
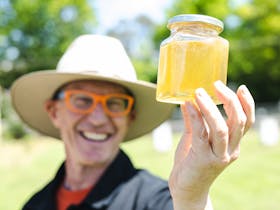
(97, 98)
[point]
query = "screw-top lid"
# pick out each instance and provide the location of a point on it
(196, 18)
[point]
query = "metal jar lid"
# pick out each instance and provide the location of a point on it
(196, 18)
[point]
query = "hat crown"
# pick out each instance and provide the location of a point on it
(99, 55)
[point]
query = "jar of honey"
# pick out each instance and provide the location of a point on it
(193, 56)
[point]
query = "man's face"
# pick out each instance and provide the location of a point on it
(90, 138)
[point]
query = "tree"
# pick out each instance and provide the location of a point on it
(252, 28)
(34, 34)
(135, 34)
(254, 58)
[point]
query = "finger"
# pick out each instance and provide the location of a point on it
(218, 129)
(193, 118)
(197, 126)
(236, 117)
(195, 134)
(248, 105)
(185, 142)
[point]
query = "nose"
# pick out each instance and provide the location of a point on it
(98, 116)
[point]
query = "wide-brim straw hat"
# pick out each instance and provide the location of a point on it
(89, 57)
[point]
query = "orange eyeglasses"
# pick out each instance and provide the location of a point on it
(84, 102)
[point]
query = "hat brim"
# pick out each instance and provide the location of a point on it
(30, 92)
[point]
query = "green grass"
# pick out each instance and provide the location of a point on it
(250, 183)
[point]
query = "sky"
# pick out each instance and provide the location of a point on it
(111, 11)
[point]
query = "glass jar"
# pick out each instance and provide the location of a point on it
(193, 56)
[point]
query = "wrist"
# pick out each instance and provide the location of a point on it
(191, 201)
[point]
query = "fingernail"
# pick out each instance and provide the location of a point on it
(244, 89)
(200, 92)
(202, 95)
(219, 84)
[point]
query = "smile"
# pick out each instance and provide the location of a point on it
(91, 136)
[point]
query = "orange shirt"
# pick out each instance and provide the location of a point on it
(65, 198)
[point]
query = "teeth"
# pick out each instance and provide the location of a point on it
(94, 136)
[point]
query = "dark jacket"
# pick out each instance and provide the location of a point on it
(122, 187)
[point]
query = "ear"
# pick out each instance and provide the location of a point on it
(51, 109)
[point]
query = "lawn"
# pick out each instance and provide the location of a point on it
(250, 183)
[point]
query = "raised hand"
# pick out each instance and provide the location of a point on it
(209, 143)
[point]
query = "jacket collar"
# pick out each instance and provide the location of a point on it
(120, 171)
(100, 196)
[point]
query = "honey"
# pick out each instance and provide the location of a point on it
(191, 61)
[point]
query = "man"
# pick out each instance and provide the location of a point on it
(93, 102)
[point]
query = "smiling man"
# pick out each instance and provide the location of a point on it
(93, 118)
(93, 102)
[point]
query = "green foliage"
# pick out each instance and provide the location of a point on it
(12, 127)
(255, 47)
(34, 34)
(146, 70)
(14, 130)
(252, 28)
